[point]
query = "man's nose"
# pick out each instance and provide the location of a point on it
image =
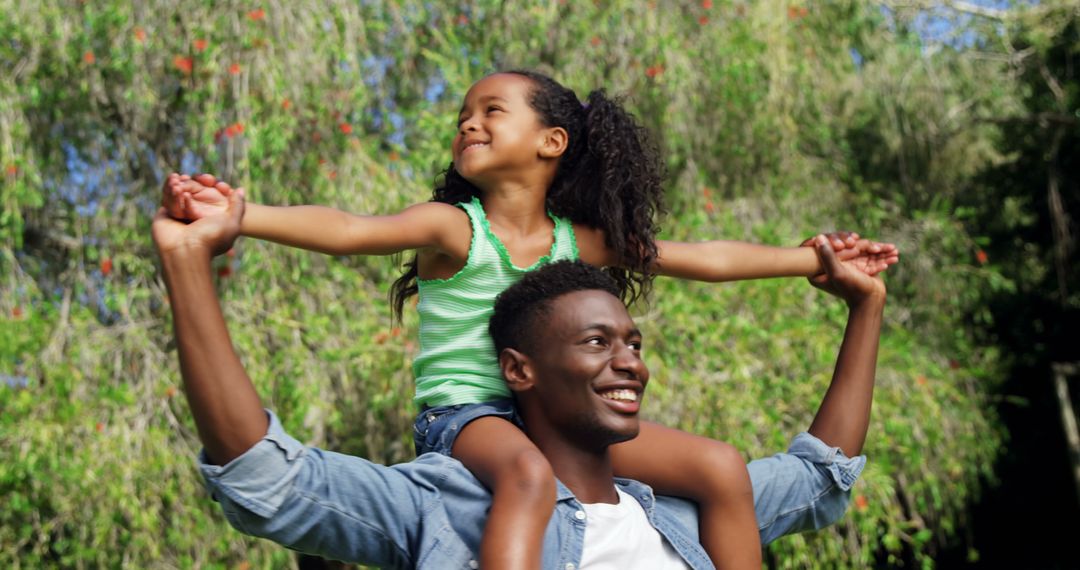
(626, 359)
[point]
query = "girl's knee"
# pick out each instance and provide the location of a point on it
(528, 473)
(723, 468)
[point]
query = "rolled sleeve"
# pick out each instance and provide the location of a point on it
(325, 503)
(806, 488)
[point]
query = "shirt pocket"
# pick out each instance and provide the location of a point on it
(447, 550)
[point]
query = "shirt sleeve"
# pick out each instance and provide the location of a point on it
(319, 502)
(806, 488)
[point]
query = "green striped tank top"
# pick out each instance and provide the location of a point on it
(457, 362)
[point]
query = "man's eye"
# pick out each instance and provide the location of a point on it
(596, 340)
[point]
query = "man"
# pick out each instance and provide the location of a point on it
(428, 513)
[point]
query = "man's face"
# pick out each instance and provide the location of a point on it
(589, 376)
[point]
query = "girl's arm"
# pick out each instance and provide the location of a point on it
(440, 227)
(732, 260)
(335, 232)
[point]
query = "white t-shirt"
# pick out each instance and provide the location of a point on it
(619, 537)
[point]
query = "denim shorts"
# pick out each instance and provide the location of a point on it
(436, 429)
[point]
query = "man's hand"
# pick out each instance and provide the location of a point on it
(190, 199)
(869, 257)
(214, 232)
(848, 279)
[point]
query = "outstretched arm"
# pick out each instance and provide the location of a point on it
(716, 261)
(322, 229)
(227, 410)
(844, 414)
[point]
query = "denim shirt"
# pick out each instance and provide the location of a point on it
(429, 513)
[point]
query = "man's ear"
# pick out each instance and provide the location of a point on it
(555, 142)
(516, 370)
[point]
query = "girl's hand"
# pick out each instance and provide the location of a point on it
(213, 234)
(869, 257)
(189, 199)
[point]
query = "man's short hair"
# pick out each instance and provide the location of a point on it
(519, 307)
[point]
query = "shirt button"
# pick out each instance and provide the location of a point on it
(570, 565)
(580, 515)
(474, 564)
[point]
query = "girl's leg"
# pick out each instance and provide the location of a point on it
(522, 486)
(710, 472)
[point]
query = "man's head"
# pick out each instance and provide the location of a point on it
(571, 354)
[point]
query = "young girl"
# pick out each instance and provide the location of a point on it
(537, 176)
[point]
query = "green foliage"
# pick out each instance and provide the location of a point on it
(772, 132)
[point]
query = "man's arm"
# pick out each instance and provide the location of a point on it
(807, 487)
(844, 415)
(227, 410)
(269, 484)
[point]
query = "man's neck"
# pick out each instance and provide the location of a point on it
(587, 473)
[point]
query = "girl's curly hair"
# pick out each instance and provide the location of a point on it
(609, 178)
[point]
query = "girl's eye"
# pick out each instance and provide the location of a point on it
(493, 108)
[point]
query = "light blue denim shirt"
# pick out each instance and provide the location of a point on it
(429, 513)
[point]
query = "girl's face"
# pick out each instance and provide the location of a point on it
(499, 135)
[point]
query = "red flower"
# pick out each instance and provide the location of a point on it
(709, 207)
(395, 332)
(861, 502)
(200, 44)
(981, 257)
(16, 312)
(703, 20)
(381, 337)
(462, 19)
(11, 170)
(595, 41)
(234, 69)
(237, 129)
(954, 364)
(89, 58)
(345, 128)
(257, 14)
(394, 156)
(231, 252)
(332, 175)
(100, 427)
(170, 392)
(184, 64)
(286, 103)
(224, 271)
(654, 70)
(706, 4)
(921, 380)
(106, 266)
(140, 35)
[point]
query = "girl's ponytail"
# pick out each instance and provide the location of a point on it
(613, 183)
